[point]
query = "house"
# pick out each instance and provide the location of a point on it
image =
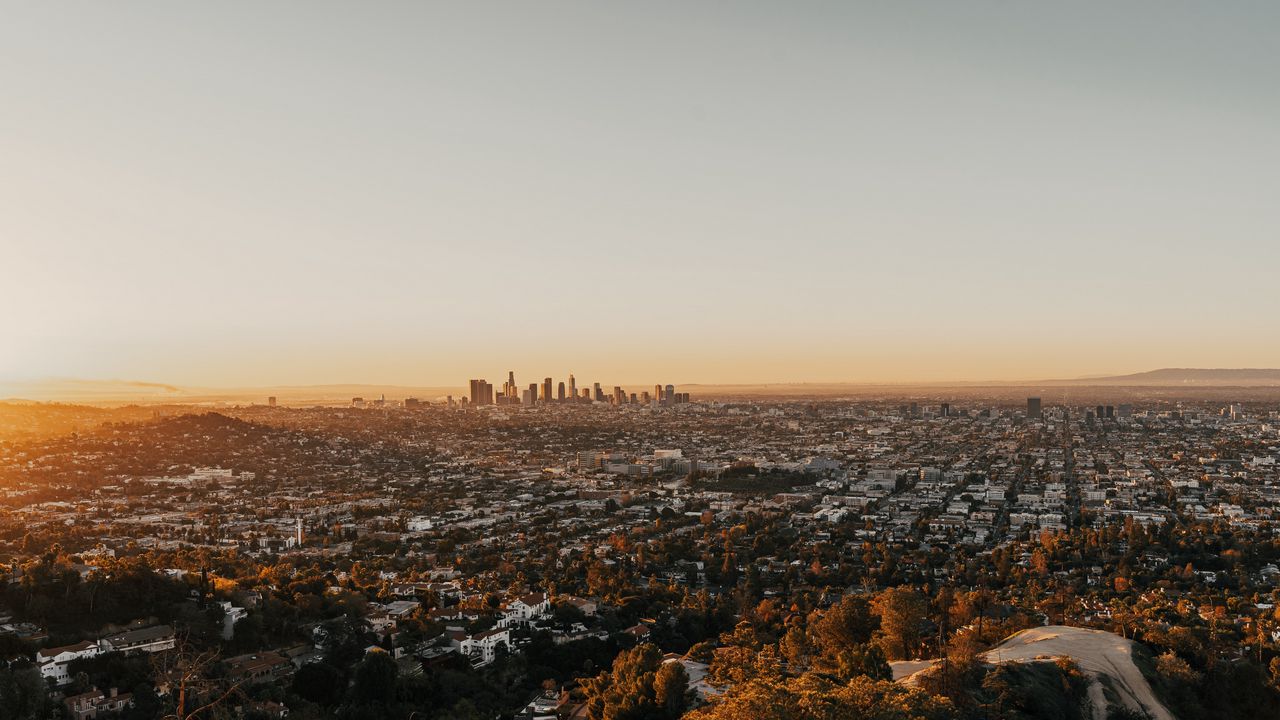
(152, 639)
(87, 705)
(587, 607)
(53, 662)
(482, 647)
(231, 614)
(525, 609)
(258, 667)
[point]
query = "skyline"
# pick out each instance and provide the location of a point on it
(311, 194)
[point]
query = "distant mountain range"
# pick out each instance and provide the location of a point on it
(1174, 377)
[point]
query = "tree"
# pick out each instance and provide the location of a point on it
(902, 612)
(843, 627)
(811, 697)
(671, 689)
(197, 696)
(375, 680)
(626, 691)
(320, 683)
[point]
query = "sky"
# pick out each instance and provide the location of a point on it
(248, 193)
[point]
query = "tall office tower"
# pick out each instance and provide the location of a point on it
(644, 397)
(619, 397)
(573, 387)
(511, 382)
(1111, 412)
(1099, 412)
(633, 399)
(946, 409)
(669, 394)
(657, 393)
(488, 392)
(1033, 408)
(474, 393)
(599, 394)
(586, 394)
(546, 390)
(533, 393)
(560, 391)
(271, 401)
(526, 398)
(449, 399)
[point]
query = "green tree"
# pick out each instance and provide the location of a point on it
(375, 680)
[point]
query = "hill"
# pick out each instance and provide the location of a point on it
(1106, 659)
(1174, 377)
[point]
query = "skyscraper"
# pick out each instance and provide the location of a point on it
(533, 393)
(546, 390)
(560, 391)
(669, 394)
(1033, 408)
(573, 387)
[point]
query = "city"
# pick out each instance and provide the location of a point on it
(571, 360)
(495, 557)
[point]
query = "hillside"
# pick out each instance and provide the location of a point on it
(1173, 377)
(1105, 658)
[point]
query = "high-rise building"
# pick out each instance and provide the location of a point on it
(657, 393)
(271, 401)
(573, 387)
(619, 397)
(533, 393)
(1033, 408)
(546, 390)
(669, 394)
(946, 409)
(560, 391)
(481, 392)
(598, 393)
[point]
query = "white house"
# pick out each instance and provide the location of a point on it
(231, 614)
(53, 662)
(525, 609)
(482, 647)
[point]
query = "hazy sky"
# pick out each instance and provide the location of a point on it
(237, 193)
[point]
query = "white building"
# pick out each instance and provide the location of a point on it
(482, 647)
(525, 609)
(53, 662)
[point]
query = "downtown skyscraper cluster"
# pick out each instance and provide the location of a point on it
(482, 392)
